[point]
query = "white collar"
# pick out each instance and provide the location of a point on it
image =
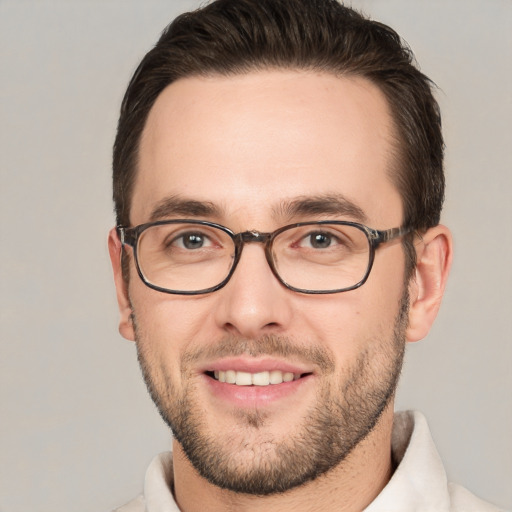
(419, 483)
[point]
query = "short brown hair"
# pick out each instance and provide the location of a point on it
(230, 37)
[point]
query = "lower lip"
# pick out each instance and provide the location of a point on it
(255, 396)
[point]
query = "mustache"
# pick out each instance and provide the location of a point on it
(267, 345)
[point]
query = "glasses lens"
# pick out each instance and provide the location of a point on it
(322, 257)
(185, 257)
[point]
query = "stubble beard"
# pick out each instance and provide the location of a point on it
(249, 460)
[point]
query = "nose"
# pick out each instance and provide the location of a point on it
(253, 302)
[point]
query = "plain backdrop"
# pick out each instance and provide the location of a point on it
(77, 427)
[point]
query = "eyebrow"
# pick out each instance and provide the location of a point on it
(331, 205)
(175, 205)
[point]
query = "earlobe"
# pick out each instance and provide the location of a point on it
(434, 257)
(125, 310)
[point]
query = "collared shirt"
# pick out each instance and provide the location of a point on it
(419, 483)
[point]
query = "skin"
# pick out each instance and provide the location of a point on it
(246, 144)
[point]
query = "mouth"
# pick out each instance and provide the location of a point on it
(246, 382)
(262, 378)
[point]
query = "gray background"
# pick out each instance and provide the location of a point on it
(77, 428)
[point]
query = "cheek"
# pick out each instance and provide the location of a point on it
(358, 320)
(344, 322)
(168, 323)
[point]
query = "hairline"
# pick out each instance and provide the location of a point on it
(395, 167)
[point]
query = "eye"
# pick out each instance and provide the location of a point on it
(191, 241)
(319, 240)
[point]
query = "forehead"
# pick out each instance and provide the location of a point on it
(247, 143)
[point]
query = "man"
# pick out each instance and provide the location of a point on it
(278, 183)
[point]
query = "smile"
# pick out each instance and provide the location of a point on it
(264, 378)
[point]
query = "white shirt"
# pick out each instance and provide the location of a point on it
(419, 483)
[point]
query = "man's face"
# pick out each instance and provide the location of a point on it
(253, 149)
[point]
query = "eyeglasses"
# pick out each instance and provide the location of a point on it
(191, 257)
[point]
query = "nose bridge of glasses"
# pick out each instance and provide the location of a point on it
(254, 236)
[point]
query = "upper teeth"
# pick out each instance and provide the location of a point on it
(256, 379)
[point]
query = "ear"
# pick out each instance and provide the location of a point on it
(125, 323)
(426, 289)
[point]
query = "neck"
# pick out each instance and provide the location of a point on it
(350, 486)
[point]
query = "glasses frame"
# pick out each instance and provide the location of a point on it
(131, 235)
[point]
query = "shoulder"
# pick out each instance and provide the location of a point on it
(464, 501)
(136, 505)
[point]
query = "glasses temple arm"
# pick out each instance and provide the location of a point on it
(126, 236)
